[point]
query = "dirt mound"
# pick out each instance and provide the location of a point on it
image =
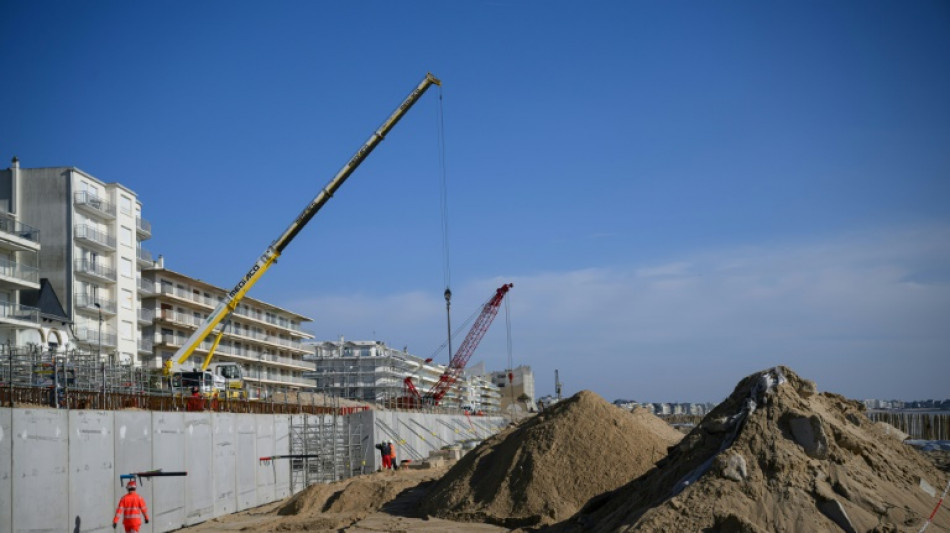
(546, 468)
(777, 456)
(335, 506)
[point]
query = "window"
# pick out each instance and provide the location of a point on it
(126, 267)
(125, 205)
(125, 329)
(125, 236)
(126, 299)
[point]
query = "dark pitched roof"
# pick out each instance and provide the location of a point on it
(46, 300)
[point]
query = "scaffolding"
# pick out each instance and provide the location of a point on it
(369, 379)
(327, 447)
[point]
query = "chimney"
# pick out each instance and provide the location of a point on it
(160, 263)
(16, 163)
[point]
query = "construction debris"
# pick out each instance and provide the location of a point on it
(545, 469)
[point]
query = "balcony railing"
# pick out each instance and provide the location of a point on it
(147, 287)
(91, 336)
(144, 256)
(147, 315)
(93, 235)
(12, 269)
(95, 269)
(143, 227)
(18, 229)
(146, 345)
(88, 301)
(94, 203)
(25, 313)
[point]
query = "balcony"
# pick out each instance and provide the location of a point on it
(17, 313)
(94, 238)
(147, 287)
(91, 336)
(183, 319)
(93, 269)
(18, 237)
(146, 346)
(19, 275)
(87, 302)
(144, 257)
(143, 228)
(94, 205)
(146, 316)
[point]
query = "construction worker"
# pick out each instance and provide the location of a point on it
(383, 448)
(392, 457)
(132, 508)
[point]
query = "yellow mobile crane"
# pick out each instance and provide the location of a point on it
(228, 375)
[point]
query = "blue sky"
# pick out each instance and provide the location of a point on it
(683, 193)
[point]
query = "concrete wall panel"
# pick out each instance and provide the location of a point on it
(133, 453)
(281, 447)
(40, 455)
(225, 463)
(6, 469)
(93, 480)
(199, 461)
(264, 473)
(247, 460)
(168, 453)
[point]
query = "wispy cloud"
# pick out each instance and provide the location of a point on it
(862, 314)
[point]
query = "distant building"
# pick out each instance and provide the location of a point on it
(519, 384)
(371, 371)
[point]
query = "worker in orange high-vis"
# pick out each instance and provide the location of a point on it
(132, 509)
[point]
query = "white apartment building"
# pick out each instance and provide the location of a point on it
(264, 339)
(21, 325)
(91, 235)
(373, 372)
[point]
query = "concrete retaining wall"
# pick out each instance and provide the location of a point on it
(417, 434)
(74, 458)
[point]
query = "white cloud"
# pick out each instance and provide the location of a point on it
(863, 314)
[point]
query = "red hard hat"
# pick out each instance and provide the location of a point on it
(131, 485)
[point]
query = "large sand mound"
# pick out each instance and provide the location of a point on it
(777, 456)
(545, 469)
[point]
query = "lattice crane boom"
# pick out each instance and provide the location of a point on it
(467, 348)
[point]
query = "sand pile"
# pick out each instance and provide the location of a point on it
(777, 456)
(339, 505)
(545, 469)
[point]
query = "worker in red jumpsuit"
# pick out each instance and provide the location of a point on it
(132, 508)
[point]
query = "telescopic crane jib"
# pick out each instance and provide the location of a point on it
(270, 255)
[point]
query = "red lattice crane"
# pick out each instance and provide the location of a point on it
(462, 355)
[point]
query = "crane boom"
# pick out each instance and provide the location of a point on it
(234, 297)
(467, 348)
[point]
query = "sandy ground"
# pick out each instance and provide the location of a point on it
(359, 516)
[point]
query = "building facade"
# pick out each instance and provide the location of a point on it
(77, 257)
(264, 339)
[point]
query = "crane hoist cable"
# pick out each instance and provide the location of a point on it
(444, 209)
